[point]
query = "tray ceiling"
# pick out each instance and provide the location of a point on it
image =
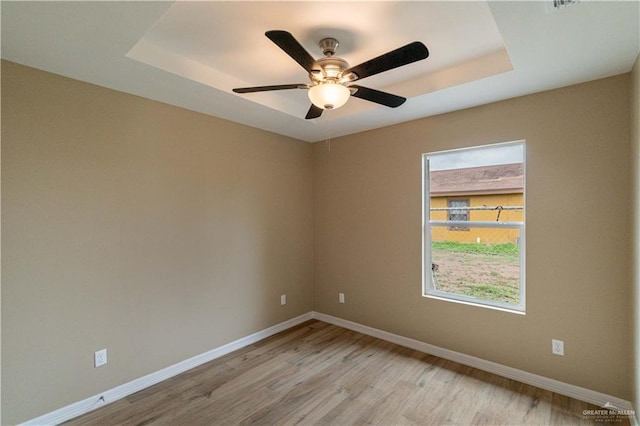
(191, 54)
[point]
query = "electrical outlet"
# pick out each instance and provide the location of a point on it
(283, 299)
(341, 297)
(100, 358)
(557, 347)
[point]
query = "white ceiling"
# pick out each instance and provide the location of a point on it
(191, 54)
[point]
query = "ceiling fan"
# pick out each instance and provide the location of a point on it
(331, 75)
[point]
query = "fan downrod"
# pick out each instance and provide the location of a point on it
(329, 46)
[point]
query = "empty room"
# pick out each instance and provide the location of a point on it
(386, 212)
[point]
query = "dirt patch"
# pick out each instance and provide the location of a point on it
(490, 277)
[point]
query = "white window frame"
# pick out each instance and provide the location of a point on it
(427, 285)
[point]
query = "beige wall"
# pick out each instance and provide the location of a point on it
(160, 233)
(150, 230)
(368, 234)
(635, 160)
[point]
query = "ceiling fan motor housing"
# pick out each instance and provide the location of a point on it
(331, 68)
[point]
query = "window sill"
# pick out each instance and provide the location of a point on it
(447, 298)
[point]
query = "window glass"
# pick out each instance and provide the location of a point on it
(479, 191)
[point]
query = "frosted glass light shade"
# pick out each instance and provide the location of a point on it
(329, 95)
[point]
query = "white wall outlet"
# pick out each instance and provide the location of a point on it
(341, 297)
(283, 299)
(100, 358)
(557, 347)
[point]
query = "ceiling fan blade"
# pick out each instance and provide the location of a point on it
(268, 88)
(382, 98)
(291, 47)
(404, 55)
(314, 112)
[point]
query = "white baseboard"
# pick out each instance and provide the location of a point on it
(81, 407)
(577, 392)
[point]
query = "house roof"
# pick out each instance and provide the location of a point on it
(500, 179)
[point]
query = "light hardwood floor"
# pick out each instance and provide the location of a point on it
(321, 374)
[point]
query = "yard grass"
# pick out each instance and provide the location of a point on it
(485, 271)
(499, 249)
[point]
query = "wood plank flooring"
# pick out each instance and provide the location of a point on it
(321, 374)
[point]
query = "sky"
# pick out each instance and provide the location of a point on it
(479, 156)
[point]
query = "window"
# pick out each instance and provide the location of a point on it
(481, 191)
(458, 212)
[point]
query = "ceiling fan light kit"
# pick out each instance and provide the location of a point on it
(330, 75)
(329, 95)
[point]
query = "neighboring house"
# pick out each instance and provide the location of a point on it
(460, 190)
